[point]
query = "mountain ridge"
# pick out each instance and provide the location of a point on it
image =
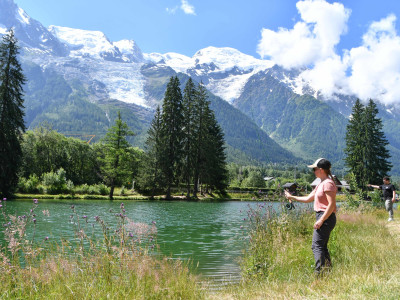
(101, 74)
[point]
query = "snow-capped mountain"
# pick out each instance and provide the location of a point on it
(84, 43)
(130, 51)
(116, 66)
(68, 68)
(224, 71)
(31, 33)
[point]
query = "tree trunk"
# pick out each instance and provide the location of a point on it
(111, 191)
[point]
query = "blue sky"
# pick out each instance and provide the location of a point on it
(348, 47)
(168, 26)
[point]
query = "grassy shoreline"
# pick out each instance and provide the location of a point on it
(135, 196)
(365, 251)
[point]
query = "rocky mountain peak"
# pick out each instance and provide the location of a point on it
(32, 35)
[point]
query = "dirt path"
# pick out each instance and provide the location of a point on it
(394, 227)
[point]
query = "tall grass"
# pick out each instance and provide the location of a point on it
(279, 263)
(123, 264)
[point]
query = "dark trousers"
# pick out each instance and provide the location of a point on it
(320, 242)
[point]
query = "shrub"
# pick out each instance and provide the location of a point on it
(103, 189)
(96, 189)
(30, 185)
(55, 183)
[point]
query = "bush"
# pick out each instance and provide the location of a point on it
(97, 189)
(103, 189)
(30, 185)
(55, 183)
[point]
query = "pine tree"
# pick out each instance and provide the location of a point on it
(199, 150)
(376, 154)
(115, 150)
(366, 152)
(172, 134)
(12, 114)
(188, 134)
(210, 164)
(215, 174)
(150, 176)
(355, 149)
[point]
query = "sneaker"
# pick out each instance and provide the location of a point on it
(390, 219)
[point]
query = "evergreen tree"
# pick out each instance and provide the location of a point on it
(366, 152)
(150, 176)
(376, 154)
(115, 150)
(202, 134)
(215, 174)
(210, 163)
(355, 149)
(12, 113)
(188, 134)
(172, 134)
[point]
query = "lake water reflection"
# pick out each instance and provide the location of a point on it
(211, 234)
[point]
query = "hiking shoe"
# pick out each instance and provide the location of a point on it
(390, 219)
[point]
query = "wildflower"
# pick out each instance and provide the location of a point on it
(4, 199)
(122, 205)
(34, 221)
(35, 201)
(72, 206)
(1, 206)
(46, 238)
(97, 218)
(153, 222)
(130, 234)
(84, 217)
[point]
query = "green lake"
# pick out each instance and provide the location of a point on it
(210, 234)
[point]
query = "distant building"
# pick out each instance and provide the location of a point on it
(341, 184)
(291, 187)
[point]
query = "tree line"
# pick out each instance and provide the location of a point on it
(185, 147)
(185, 144)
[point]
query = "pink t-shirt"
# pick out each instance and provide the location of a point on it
(320, 199)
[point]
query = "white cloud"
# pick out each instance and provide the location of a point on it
(375, 65)
(172, 11)
(187, 8)
(371, 70)
(310, 40)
